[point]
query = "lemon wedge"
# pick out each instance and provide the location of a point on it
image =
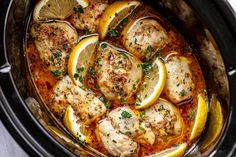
(70, 122)
(215, 125)
(176, 151)
(200, 118)
(154, 82)
(114, 14)
(79, 58)
(56, 9)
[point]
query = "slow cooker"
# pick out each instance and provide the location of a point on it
(209, 25)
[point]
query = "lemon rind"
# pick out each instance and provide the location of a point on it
(41, 3)
(158, 88)
(110, 11)
(73, 58)
(200, 118)
(72, 126)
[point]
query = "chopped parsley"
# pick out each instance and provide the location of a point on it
(56, 73)
(97, 87)
(142, 114)
(103, 99)
(107, 104)
(113, 33)
(161, 107)
(175, 145)
(114, 141)
(126, 114)
(122, 100)
(191, 115)
(182, 93)
(125, 55)
(65, 46)
(158, 54)
(92, 71)
(150, 48)
(104, 46)
(146, 67)
(76, 76)
(57, 54)
(81, 79)
(190, 49)
(79, 10)
(123, 22)
(128, 133)
(80, 69)
(86, 32)
(97, 61)
(141, 128)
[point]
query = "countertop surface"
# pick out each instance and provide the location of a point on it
(8, 146)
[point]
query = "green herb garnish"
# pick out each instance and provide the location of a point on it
(150, 48)
(146, 67)
(126, 114)
(58, 54)
(92, 71)
(161, 107)
(182, 93)
(142, 114)
(113, 33)
(104, 46)
(191, 115)
(80, 69)
(56, 73)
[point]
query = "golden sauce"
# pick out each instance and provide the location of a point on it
(45, 82)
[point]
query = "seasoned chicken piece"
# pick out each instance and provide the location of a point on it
(164, 119)
(147, 135)
(179, 84)
(116, 143)
(145, 37)
(88, 18)
(86, 106)
(124, 120)
(118, 74)
(54, 41)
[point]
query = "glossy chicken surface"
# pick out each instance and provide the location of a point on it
(106, 103)
(179, 86)
(87, 19)
(118, 74)
(145, 38)
(86, 106)
(54, 41)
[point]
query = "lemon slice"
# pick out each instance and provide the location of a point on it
(79, 58)
(215, 125)
(70, 122)
(56, 9)
(177, 151)
(200, 118)
(153, 84)
(114, 14)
